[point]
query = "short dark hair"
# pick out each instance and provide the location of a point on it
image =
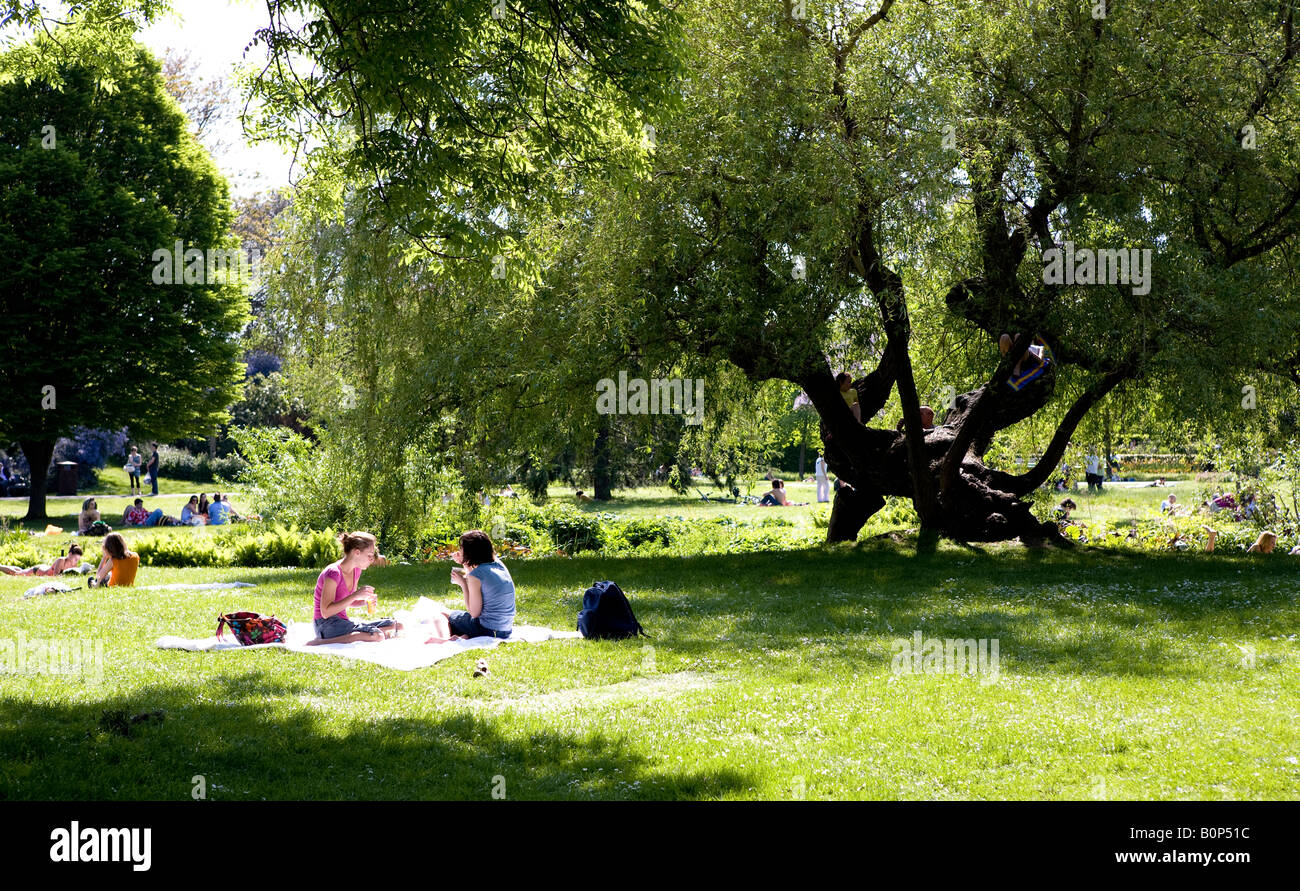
(476, 547)
(139, 502)
(842, 377)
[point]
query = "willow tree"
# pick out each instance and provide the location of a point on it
(839, 174)
(415, 311)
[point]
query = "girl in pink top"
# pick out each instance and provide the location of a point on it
(337, 589)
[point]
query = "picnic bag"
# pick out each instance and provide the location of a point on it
(251, 628)
(607, 614)
(98, 528)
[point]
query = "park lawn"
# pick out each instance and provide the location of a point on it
(112, 480)
(648, 502)
(1121, 675)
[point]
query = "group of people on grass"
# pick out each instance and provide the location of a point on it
(484, 582)
(117, 564)
(1266, 543)
(198, 511)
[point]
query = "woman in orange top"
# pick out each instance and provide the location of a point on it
(118, 566)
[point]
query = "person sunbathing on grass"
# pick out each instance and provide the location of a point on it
(71, 561)
(1265, 544)
(337, 589)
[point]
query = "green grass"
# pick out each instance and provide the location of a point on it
(1121, 676)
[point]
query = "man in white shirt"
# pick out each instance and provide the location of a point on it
(1092, 473)
(823, 481)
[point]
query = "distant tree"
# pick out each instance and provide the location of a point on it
(205, 101)
(94, 184)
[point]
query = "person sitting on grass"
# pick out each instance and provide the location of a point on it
(117, 565)
(1265, 544)
(190, 515)
(137, 515)
(582, 498)
(1062, 512)
(89, 515)
(337, 588)
(1170, 505)
(488, 589)
(71, 561)
(776, 497)
(218, 511)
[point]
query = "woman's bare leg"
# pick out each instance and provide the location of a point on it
(350, 637)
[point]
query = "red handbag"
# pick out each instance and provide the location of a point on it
(251, 628)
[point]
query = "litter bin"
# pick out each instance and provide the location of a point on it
(67, 477)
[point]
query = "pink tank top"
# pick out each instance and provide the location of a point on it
(341, 590)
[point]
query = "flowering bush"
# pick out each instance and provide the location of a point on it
(91, 449)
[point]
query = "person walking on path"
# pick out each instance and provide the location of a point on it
(153, 467)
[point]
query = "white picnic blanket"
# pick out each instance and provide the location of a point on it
(204, 586)
(405, 653)
(46, 588)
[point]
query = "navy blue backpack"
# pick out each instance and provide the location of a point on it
(607, 614)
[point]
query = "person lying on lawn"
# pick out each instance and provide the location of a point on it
(71, 561)
(338, 588)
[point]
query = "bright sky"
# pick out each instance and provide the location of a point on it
(214, 33)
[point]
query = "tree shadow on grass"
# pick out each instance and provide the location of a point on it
(1054, 613)
(240, 740)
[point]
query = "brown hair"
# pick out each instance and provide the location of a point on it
(778, 484)
(476, 547)
(115, 544)
(74, 548)
(355, 541)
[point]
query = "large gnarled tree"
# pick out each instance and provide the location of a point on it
(836, 170)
